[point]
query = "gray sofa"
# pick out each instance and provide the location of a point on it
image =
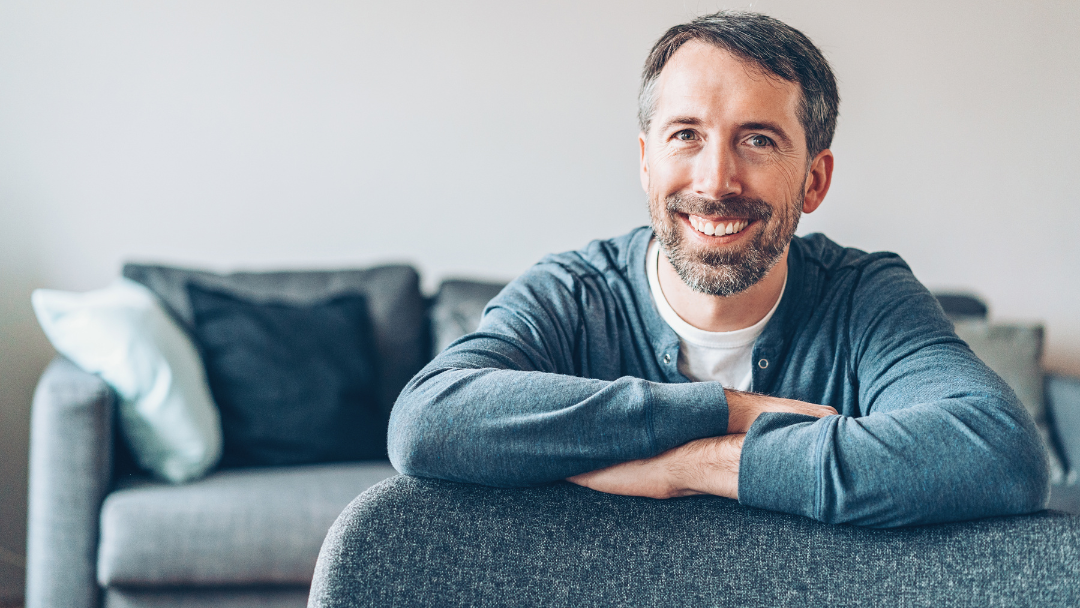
(418, 542)
(101, 532)
(425, 542)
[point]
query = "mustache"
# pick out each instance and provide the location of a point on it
(734, 206)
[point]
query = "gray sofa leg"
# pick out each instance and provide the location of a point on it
(420, 542)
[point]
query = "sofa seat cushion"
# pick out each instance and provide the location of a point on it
(235, 527)
(214, 597)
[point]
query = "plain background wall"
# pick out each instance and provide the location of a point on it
(473, 137)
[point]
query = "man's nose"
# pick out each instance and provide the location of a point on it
(716, 172)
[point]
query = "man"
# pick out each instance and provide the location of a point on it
(625, 367)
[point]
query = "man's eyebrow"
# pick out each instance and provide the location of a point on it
(680, 120)
(767, 126)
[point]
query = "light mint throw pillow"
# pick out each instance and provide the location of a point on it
(123, 334)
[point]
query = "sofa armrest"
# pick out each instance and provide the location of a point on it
(70, 470)
(421, 542)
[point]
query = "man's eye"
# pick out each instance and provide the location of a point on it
(759, 141)
(686, 135)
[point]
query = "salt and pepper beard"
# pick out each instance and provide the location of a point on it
(728, 271)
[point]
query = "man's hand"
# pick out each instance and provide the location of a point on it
(704, 466)
(744, 408)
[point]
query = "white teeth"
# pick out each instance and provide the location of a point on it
(706, 227)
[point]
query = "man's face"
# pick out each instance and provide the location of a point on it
(725, 168)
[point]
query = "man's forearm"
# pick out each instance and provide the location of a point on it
(744, 408)
(470, 416)
(703, 466)
(912, 466)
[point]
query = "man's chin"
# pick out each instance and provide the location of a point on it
(722, 281)
(722, 269)
(728, 264)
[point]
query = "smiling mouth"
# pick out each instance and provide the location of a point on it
(722, 227)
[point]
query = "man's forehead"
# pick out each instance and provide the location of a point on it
(701, 77)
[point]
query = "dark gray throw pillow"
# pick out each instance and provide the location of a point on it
(397, 309)
(295, 383)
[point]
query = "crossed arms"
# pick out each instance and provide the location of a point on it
(562, 383)
(702, 466)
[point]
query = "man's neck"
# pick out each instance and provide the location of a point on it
(722, 313)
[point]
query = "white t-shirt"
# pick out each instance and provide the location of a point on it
(719, 356)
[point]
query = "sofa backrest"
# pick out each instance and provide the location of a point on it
(422, 542)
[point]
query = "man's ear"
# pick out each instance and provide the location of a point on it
(644, 162)
(818, 180)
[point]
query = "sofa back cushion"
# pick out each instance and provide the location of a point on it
(401, 339)
(457, 307)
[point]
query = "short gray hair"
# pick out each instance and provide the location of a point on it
(772, 45)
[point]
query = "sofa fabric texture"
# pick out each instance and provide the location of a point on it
(250, 527)
(295, 384)
(420, 542)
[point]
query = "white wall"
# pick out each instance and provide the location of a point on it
(473, 137)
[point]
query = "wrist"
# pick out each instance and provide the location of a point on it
(738, 411)
(711, 466)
